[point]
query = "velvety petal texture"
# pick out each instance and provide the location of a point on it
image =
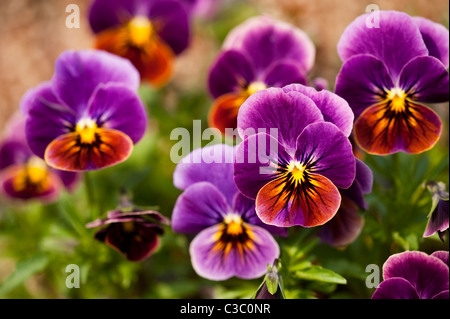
(267, 40)
(436, 38)
(215, 260)
(396, 30)
(413, 274)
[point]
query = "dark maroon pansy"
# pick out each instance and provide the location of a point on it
(134, 234)
(415, 275)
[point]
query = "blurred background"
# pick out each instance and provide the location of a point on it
(49, 237)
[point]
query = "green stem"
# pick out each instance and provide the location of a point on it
(90, 195)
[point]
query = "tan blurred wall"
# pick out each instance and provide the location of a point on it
(33, 34)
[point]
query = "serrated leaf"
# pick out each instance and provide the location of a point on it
(318, 273)
(24, 270)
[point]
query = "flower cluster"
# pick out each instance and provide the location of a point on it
(260, 53)
(293, 167)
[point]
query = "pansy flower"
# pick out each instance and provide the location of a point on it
(135, 233)
(439, 213)
(260, 53)
(347, 224)
(89, 115)
(150, 33)
(415, 275)
(230, 240)
(388, 72)
(25, 176)
(295, 176)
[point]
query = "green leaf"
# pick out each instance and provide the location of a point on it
(318, 273)
(24, 270)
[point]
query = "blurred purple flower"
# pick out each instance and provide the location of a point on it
(89, 115)
(259, 53)
(347, 224)
(25, 176)
(439, 213)
(206, 9)
(150, 33)
(415, 275)
(230, 238)
(383, 83)
(297, 183)
(135, 234)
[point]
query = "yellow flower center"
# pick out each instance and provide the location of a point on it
(140, 30)
(255, 87)
(87, 130)
(297, 171)
(34, 173)
(233, 224)
(397, 97)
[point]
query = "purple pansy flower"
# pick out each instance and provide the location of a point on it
(260, 53)
(203, 8)
(347, 224)
(25, 176)
(297, 183)
(439, 213)
(89, 115)
(384, 83)
(230, 238)
(415, 275)
(150, 33)
(135, 233)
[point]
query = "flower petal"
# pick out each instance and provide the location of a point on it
(171, 23)
(309, 204)
(334, 108)
(284, 72)
(257, 159)
(78, 73)
(396, 30)
(361, 185)
(104, 14)
(67, 153)
(428, 274)
(395, 288)
(232, 71)
(344, 227)
(380, 130)
(47, 118)
(213, 164)
(246, 208)
(425, 79)
(362, 81)
(116, 106)
(442, 255)
(439, 219)
(325, 150)
(436, 38)
(214, 260)
(13, 152)
(267, 40)
(274, 109)
(224, 112)
(136, 245)
(200, 206)
(154, 60)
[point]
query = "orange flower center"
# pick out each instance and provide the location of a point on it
(397, 97)
(87, 130)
